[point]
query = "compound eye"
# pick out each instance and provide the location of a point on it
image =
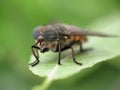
(50, 35)
(36, 33)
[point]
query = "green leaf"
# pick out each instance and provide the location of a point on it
(103, 49)
(103, 77)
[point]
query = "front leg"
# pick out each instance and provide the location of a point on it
(36, 55)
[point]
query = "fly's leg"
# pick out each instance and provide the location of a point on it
(73, 55)
(84, 50)
(81, 47)
(59, 57)
(36, 55)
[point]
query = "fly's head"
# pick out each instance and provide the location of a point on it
(44, 36)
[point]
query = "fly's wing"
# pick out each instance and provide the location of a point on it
(73, 31)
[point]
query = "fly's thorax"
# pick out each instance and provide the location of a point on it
(64, 43)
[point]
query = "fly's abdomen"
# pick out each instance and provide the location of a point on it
(79, 38)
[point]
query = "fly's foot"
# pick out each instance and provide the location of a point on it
(34, 63)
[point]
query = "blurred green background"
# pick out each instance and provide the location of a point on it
(18, 18)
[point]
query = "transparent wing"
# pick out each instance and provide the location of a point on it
(73, 30)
